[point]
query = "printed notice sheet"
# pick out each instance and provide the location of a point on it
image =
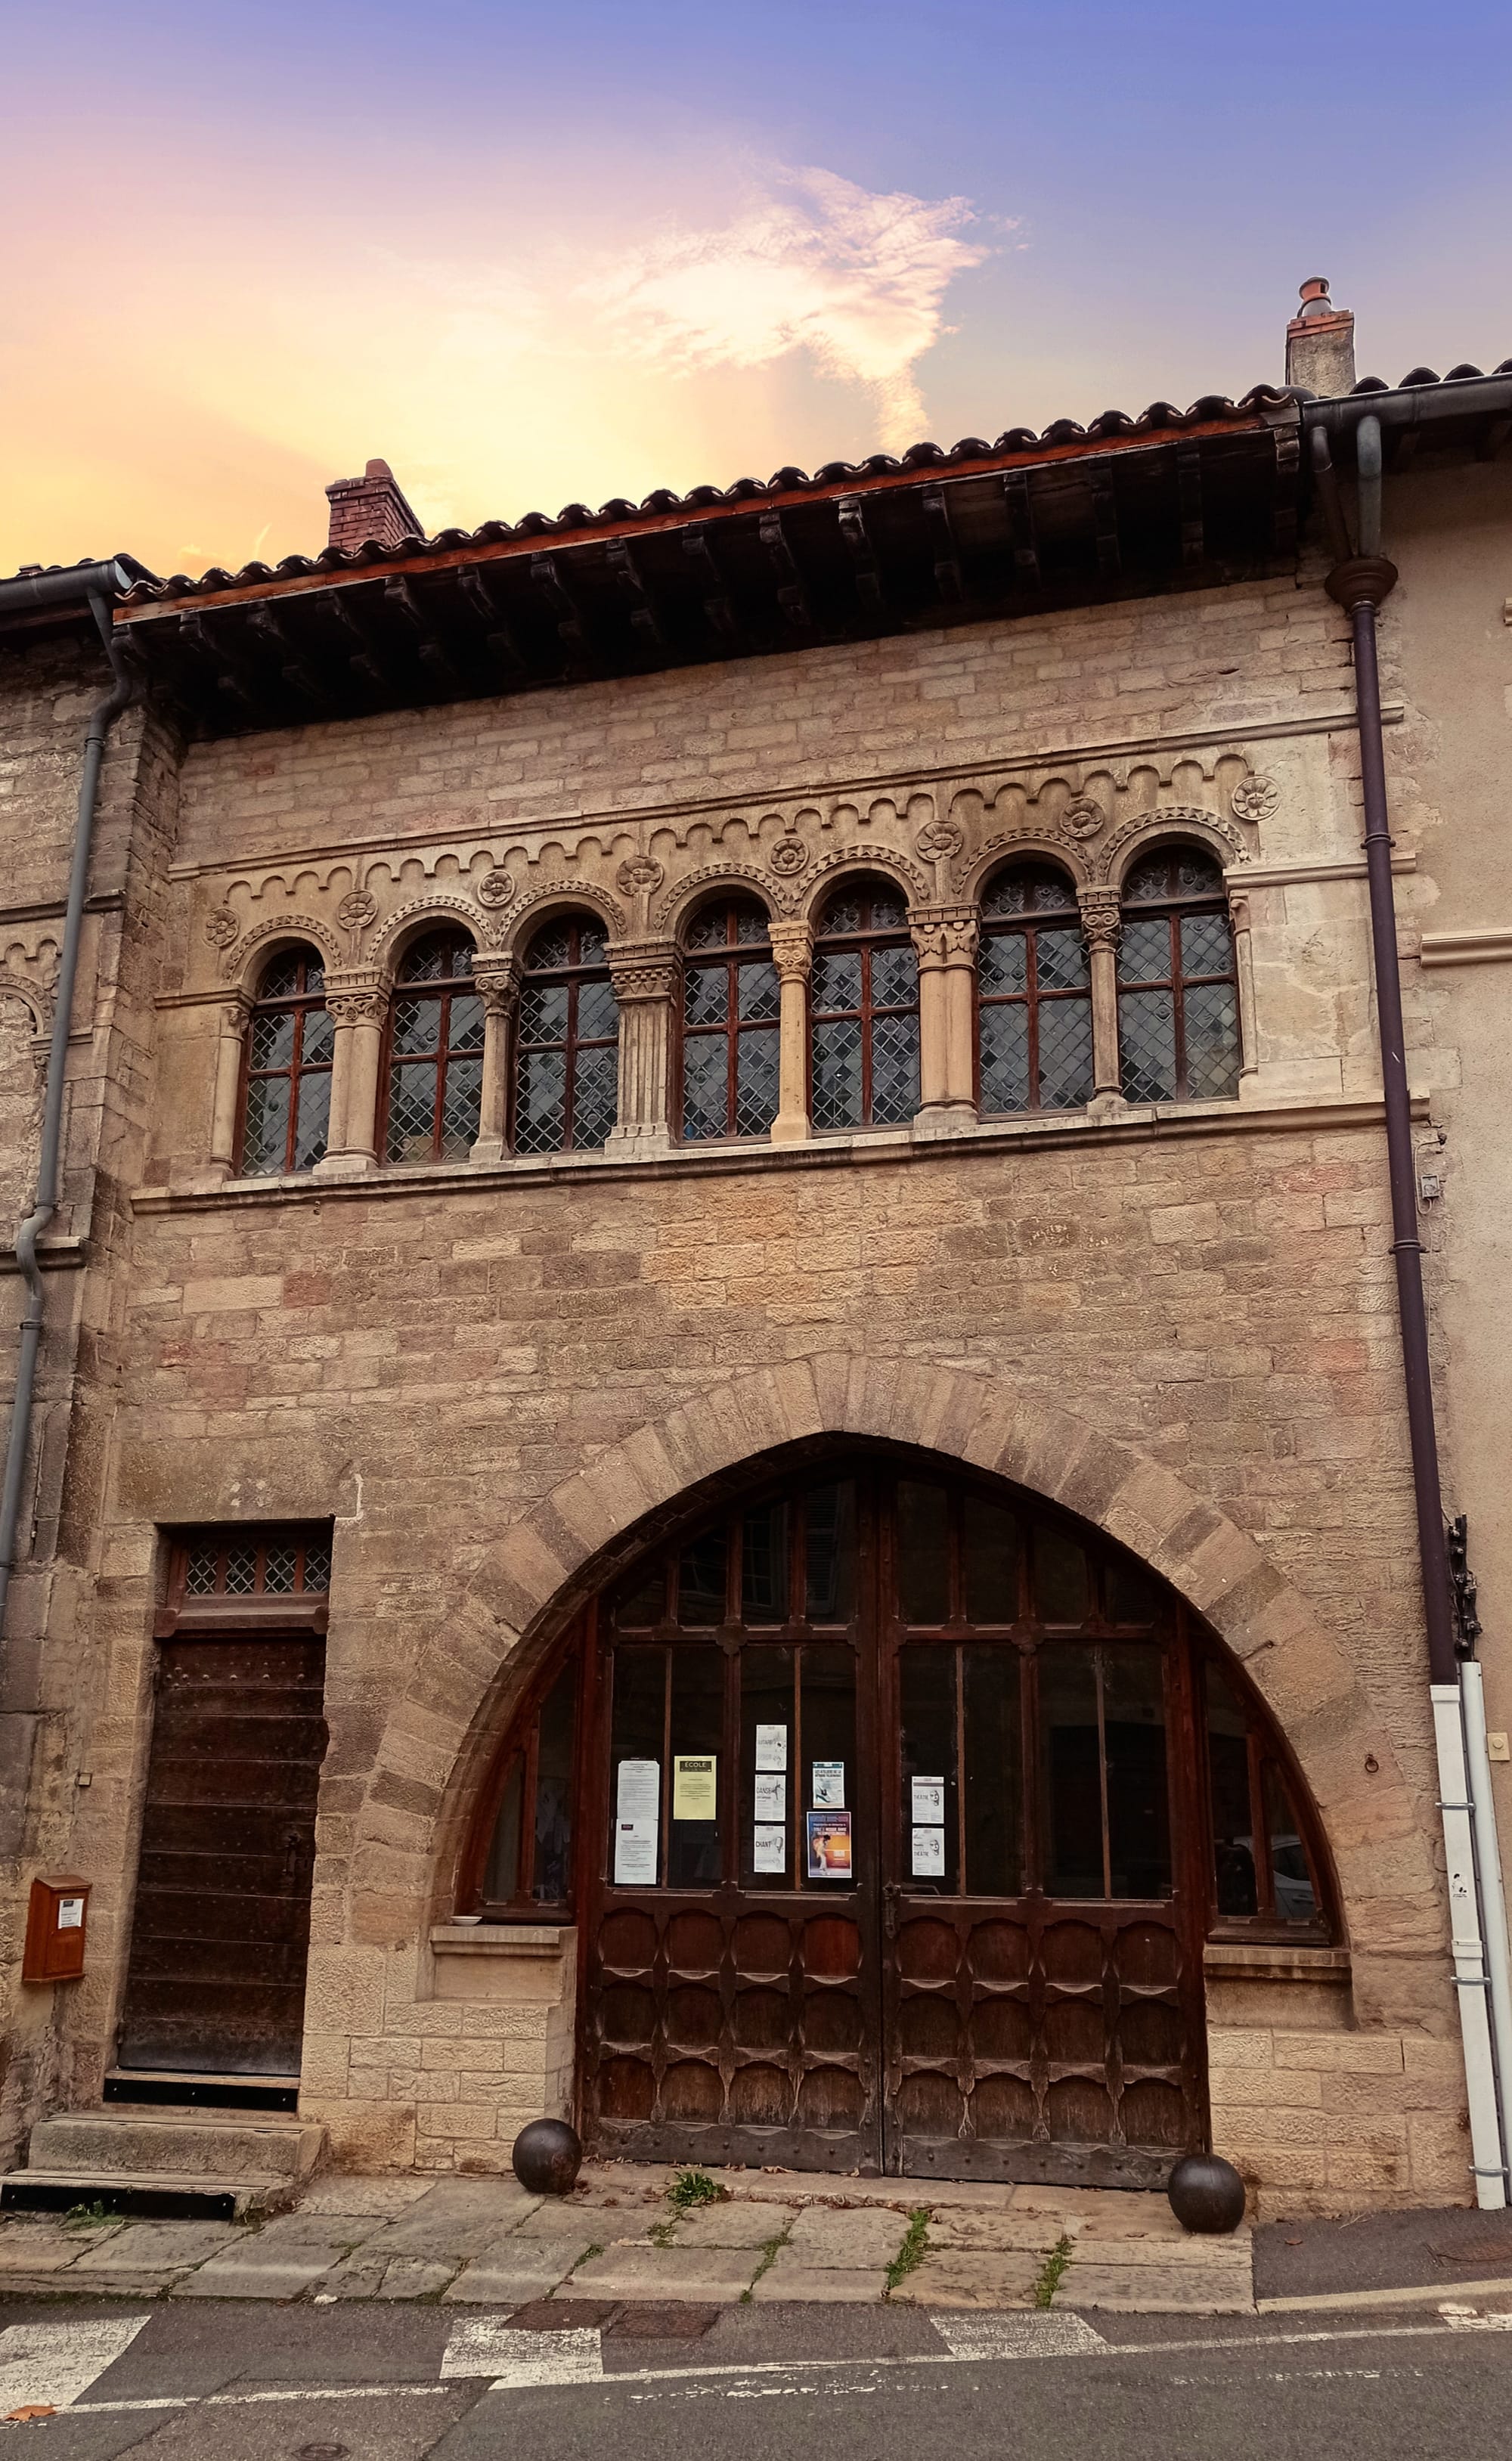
(771, 1748)
(635, 1853)
(640, 1790)
(771, 1795)
(829, 1846)
(928, 1800)
(695, 1785)
(829, 1785)
(929, 1854)
(771, 1848)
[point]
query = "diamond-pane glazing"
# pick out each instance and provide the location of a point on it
(278, 1571)
(549, 949)
(759, 993)
(281, 977)
(837, 980)
(541, 1101)
(1198, 875)
(1144, 952)
(319, 1036)
(837, 1074)
(265, 1142)
(1205, 945)
(889, 912)
(894, 977)
(1148, 880)
(706, 1076)
(1061, 962)
(751, 925)
(1212, 1042)
(274, 1039)
(757, 1082)
(894, 1069)
(439, 958)
(595, 1097)
(465, 1025)
(412, 1110)
(200, 1580)
(417, 1024)
(318, 1565)
(707, 930)
(1147, 1046)
(1002, 962)
(706, 994)
(841, 916)
(598, 1013)
(1065, 1054)
(543, 1013)
(241, 1571)
(461, 1105)
(1005, 1057)
(315, 1120)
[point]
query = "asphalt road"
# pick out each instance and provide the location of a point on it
(217, 2382)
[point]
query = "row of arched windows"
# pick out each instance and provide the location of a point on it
(1177, 994)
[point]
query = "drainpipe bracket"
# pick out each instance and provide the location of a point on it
(1362, 581)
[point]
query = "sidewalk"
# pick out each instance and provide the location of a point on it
(622, 2247)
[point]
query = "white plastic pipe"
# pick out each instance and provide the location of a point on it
(1470, 1975)
(1493, 1897)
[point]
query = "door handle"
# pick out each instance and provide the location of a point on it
(889, 1910)
(291, 1846)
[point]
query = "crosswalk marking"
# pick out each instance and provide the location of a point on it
(483, 2346)
(1004, 2335)
(49, 2363)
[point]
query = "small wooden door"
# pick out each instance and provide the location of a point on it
(220, 1933)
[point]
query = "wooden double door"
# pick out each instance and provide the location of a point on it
(893, 1867)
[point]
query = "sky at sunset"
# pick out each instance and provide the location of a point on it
(534, 254)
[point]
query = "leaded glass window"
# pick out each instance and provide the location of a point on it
(285, 1106)
(1033, 992)
(865, 1011)
(1178, 995)
(566, 1053)
(730, 1002)
(436, 1053)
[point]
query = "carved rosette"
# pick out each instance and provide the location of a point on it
(1256, 799)
(220, 927)
(1083, 817)
(640, 873)
(357, 909)
(644, 969)
(944, 936)
(792, 952)
(789, 858)
(1101, 919)
(495, 889)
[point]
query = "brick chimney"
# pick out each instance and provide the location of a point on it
(1320, 342)
(372, 508)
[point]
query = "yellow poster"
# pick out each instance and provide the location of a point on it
(695, 1786)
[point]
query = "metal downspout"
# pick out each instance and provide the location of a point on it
(34, 591)
(1359, 584)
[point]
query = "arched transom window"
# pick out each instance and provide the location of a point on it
(566, 1063)
(864, 1010)
(286, 1107)
(1177, 996)
(731, 1000)
(1033, 995)
(436, 1053)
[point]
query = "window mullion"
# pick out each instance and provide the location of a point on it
(570, 1063)
(865, 953)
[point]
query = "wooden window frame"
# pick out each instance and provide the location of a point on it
(522, 1742)
(442, 991)
(867, 942)
(573, 976)
(735, 955)
(183, 1612)
(1265, 1747)
(1171, 909)
(302, 1002)
(1027, 925)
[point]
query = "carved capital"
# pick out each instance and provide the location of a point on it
(496, 981)
(645, 970)
(234, 1013)
(356, 996)
(1101, 920)
(944, 936)
(792, 952)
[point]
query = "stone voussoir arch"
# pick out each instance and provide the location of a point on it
(535, 1575)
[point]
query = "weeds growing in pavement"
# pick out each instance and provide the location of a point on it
(88, 2217)
(911, 2252)
(769, 2251)
(1051, 2272)
(690, 2188)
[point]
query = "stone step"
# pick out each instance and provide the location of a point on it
(144, 2142)
(155, 2196)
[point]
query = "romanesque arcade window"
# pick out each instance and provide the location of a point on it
(1265, 1871)
(566, 1054)
(1178, 995)
(528, 1865)
(285, 1103)
(436, 1053)
(731, 1000)
(863, 1011)
(1033, 995)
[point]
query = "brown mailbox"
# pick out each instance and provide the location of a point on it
(54, 1929)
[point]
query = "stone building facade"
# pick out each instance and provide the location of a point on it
(489, 1374)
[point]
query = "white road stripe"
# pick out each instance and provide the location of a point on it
(483, 2346)
(1025, 2335)
(50, 2362)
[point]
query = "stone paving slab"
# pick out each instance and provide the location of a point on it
(512, 2275)
(142, 2259)
(731, 2225)
(447, 2226)
(1157, 2290)
(342, 2192)
(788, 2276)
(567, 2217)
(866, 2236)
(30, 2247)
(1036, 2233)
(279, 2260)
(973, 2277)
(714, 2276)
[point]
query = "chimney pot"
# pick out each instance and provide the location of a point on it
(371, 509)
(1320, 342)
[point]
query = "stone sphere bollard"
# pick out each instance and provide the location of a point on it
(1206, 2192)
(548, 2157)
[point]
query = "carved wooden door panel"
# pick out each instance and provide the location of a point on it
(1043, 1983)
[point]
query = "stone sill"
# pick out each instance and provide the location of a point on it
(537, 1941)
(1264, 1961)
(1147, 1124)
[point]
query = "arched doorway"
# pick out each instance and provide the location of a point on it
(895, 1807)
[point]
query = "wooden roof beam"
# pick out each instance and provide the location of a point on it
(863, 555)
(947, 558)
(498, 637)
(400, 596)
(1284, 490)
(1189, 493)
(1105, 524)
(792, 597)
(1018, 504)
(230, 671)
(718, 608)
(296, 673)
(631, 586)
